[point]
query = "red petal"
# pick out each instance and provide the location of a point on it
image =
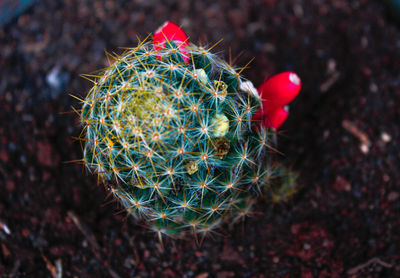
(171, 32)
(279, 90)
(275, 118)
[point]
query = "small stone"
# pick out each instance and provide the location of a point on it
(4, 156)
(342, 184)
(393, 196)
(386, 178)
(364, 148)
(225, 274)
(331, 67)
(385, 137)
(202, 275)
(46, 155)
(10, 185)
(306, 246)
(298, 10)
(216, 266)
(25, 232)
(364, 42)
(373, 88)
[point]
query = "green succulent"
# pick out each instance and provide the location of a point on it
(176, 140)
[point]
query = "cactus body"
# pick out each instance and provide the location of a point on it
(176, 139)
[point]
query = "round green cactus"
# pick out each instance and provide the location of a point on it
(176, 139)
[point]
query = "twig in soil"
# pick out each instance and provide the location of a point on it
(86, 232)
(15, 268)
(355, 131)
(4, 227)
(91, 239)
(56, 271)
(374, 260)
(327, 84)
(113, 273)
(6, 252)
(59, 268)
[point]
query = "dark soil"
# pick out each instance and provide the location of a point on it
(343, 222)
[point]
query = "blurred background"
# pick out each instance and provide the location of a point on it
(342, 137)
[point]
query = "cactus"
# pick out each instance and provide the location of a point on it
(172, 129)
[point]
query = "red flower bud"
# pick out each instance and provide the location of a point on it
(171, 32)
(279, 90)
(275, 118)
(275, 93)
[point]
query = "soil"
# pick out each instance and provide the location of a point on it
(342, 137)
